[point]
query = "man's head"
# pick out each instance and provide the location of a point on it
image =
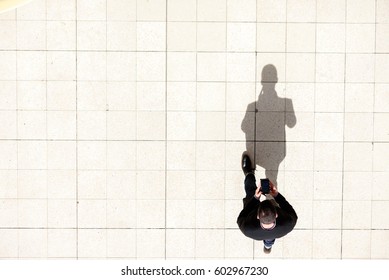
(267, 215)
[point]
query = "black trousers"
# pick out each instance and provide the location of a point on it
(250, 187)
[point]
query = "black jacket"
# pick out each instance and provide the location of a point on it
(249, 224)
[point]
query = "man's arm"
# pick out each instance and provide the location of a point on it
(284, 205)
(251, 205)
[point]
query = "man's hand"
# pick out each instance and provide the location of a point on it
(258, 193)
(273, 189)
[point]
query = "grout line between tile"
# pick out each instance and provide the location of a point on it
(17, 136)
(106, 131)
(195, 149)
(47, 149)
(166, 123)
(314, 131)
(77, 181)
(136, 133)
(372, 128)
(344, 110)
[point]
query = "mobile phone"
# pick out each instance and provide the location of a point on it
(265, 186)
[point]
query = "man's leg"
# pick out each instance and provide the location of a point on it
(267, 244)
(250, 185)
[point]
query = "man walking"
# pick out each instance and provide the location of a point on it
(272, 218)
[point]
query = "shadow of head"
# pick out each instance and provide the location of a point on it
(269, 75)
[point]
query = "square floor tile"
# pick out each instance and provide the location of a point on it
(379, 243)
(121, 10)
(211, 36)
(32, 213)
(241, 37)
(92, 213)
(150, 243)
(97, 12)
(238, 11)
(381, 131)
(8, 184)
(271, 11)
(327, 214)
(300, 67)
(151, 126)
(240, 67)
(180, 243)
(245, 249)
(210, 185)
(382, 62)
(300, 37)
(301, 11)
(360, 38)
(292, 247)
(121, 36)
(121, 213)
(32, 155)
(331, 10)
(358, 156)
(118, 245)
(354, 65)
(181, 96)
(271, 37)
(150, 219)
(211, 96)
(151, 36)
(211, 125)
(209, 243)
(178, 10)
(359, 97)
(357, 183)
(379, 218)
(331, 159)
(62, 213)
(322, 248)
(210, 213)
(379, 192)
(358, 127)
(298, 185)
(151, 10)
(353, 219)
(92, 243)
(181, 214)
(329, 68)
(91, 184)
(329, 97)
(181, 155)
(211, 11)
(181, 36)
(91, 35)
(356, 244)
(363, 12)
(211, 67)
(181, 66)
(32, 243)
(381, 157)
(330, 37)
(180, 185)
(62, 243)
(9, 213)
(154, 189)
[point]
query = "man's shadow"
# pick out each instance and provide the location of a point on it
(264, 125)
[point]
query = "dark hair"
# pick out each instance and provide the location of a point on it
(267, 212)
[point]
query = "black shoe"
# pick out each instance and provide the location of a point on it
(266, 250)
(247, 166)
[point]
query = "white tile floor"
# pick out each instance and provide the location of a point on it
(121, 131)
